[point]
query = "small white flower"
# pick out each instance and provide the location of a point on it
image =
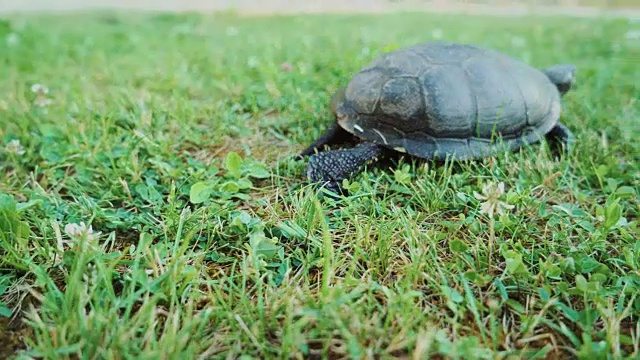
(518, 41)
(232, 31)
(90, 277)
(41, 92)
(437, 33)
(39, 89)
(490, 196)
(42, 102)
(253, 62)
(12, 39)
(81, 231)
(632, 35)
(286, 67)
(14, 147)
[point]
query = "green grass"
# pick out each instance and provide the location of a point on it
(173, 136)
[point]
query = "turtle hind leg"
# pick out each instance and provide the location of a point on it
(560, 140)
(562, 76)
(329, 168)
(334, 135)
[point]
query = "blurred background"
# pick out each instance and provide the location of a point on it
(507, 7)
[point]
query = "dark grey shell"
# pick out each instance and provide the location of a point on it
(442, 99)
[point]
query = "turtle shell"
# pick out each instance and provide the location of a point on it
(441, 99)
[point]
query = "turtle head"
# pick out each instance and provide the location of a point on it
(562, 76)
(336, 100)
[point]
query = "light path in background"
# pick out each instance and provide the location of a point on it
(494, 7)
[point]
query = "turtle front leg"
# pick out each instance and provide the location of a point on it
(334, 135)
(560, 136)
(329, 168)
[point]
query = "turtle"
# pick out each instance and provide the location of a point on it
(438, 100)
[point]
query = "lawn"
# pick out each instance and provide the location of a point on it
(152, 206)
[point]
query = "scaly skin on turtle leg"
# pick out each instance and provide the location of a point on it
(563, 76)
(329, 168)
(560, 136)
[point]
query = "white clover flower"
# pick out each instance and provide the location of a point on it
(490, 196)
(632, 35)
(518, 41)
(253, 62)
(41, 92)
(14, 147)
(39, 89)
(286, 67)
(90, 277)
(81, 231)
(42, 102)
(232, 31)
(12, 39)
